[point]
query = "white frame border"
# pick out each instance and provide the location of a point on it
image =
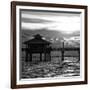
(50, 80)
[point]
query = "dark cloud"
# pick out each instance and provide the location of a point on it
(34, 20)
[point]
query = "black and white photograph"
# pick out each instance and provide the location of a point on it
(49, 42)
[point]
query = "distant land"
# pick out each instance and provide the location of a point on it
(70, 39)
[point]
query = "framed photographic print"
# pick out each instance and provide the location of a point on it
(48, 44)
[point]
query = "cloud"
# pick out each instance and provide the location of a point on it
(64, 23)
(64, 26)
(34, 20)
(33, 26)
(52, 18)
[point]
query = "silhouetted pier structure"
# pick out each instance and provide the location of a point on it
(39, 46)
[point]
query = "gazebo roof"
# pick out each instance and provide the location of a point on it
(37, 40)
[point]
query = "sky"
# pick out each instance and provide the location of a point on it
(59, 21)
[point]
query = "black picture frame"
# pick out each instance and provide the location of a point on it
(13, 44)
